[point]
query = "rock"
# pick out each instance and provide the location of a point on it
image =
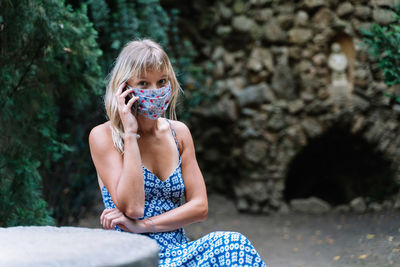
(341, 209)
(282, 82)
(263, 15)
(383, 3)
(229, 59)
(396, 108)
(307, 96)
(284, 209)
(224, 30)
(361, 78)
(273, 32)
(254, 208)
(310, 205)
(266, 210)
(225, 12)
(218, 53)
(219, 69)
(285, 21)
(359, 124)
(257, 32)
(240, 7)
(299, 35)
(345, 9)
(318, 107)
(387, 204)
(255, 94)
(375, 207)
(242, 204)
(323, 18)
(249, 132)
(295, 52)
(319, 59)
(311, 4)
(259, 191)
(277, 122)
(296, 106)
(322, 94)
(287, 8)
(311, 127)
(360, 103)
(363, 12)
(396, 204)
(73, 246)
(235, 84)
(243, 23)
(227, 109)
(358, 205)
(383, 16)
(301, 19)
(260, 2)
(260, 59)
(255, 150)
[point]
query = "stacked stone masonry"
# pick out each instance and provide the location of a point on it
(274, 93)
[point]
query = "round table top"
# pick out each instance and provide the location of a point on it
(74, 246)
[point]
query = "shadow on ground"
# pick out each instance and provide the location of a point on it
(371, 239)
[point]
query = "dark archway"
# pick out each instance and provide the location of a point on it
(337, 167)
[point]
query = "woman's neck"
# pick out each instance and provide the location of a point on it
(146, 126)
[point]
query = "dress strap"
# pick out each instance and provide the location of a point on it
(173, 133)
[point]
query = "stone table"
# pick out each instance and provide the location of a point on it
(74, 246)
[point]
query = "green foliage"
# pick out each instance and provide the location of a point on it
(48, 69)
(384, 46)
(54, 59)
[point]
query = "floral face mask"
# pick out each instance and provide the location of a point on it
(152, 103)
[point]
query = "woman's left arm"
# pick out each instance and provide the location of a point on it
(194, 210)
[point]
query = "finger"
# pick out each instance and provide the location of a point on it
(111, 217)
(104, 213)
(122, 86)
(126, 92)
(131, 101)
(115, 221)
(107, 218)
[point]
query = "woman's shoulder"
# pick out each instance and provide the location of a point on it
(101, 129)
(180, 127)
(100, 134)
(183, 133)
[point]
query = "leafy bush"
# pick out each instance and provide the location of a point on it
(49, 74)
(384, 46)
(54, 59)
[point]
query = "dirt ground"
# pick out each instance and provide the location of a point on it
(371, 239)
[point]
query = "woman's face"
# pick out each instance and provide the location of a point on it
(149, 80)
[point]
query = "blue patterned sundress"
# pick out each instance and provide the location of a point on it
(220, 248)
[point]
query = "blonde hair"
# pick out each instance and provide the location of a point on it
(135, 59)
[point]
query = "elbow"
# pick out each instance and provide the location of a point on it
(134, 213)
(203, 212)
(131, 211)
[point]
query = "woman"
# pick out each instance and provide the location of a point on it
(146, 164)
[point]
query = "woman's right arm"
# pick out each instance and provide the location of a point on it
(121, 174)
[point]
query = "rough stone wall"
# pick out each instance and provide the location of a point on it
(273, 93)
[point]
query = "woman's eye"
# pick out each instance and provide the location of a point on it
(142, 83)
(163, 81)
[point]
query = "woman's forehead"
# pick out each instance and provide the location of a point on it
(150, 74)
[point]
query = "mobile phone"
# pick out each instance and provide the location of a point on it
(134, 105)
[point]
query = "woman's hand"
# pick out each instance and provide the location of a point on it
(112, 217)
(128, 119)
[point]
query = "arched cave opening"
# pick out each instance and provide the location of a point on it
(338, 167)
